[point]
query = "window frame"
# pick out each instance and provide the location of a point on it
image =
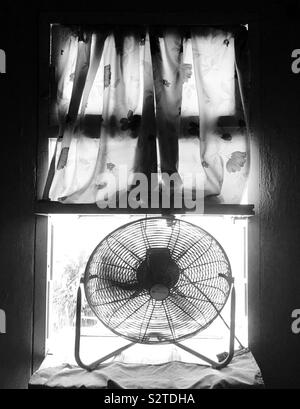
(43, 208)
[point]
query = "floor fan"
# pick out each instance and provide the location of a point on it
(157, 280)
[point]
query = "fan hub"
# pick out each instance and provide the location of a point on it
(158, 269)
(159, 292)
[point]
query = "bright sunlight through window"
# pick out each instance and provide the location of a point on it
(72, 238)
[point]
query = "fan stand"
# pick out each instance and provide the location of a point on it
(213, 364)
(95, 364)
(227, 360)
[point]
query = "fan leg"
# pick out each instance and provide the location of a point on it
(197, 354)
(95, 364)
(229, 357)
(226, 361)
(78, 331)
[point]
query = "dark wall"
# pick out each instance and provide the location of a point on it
(17, 222)
(280, 198)
(278, 213)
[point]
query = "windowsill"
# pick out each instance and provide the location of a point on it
(242, 372)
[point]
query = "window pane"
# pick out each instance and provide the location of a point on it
(72, 238)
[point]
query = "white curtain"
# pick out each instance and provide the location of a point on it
(146, 100)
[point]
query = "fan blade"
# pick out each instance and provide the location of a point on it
(127, 286)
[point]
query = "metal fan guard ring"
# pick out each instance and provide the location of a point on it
(135, 315)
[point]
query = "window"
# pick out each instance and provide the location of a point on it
(72, 239)
(74, 230)
(136, 101)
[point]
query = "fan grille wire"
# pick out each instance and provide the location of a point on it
(193, 303)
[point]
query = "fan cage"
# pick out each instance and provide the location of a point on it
(193, 303)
